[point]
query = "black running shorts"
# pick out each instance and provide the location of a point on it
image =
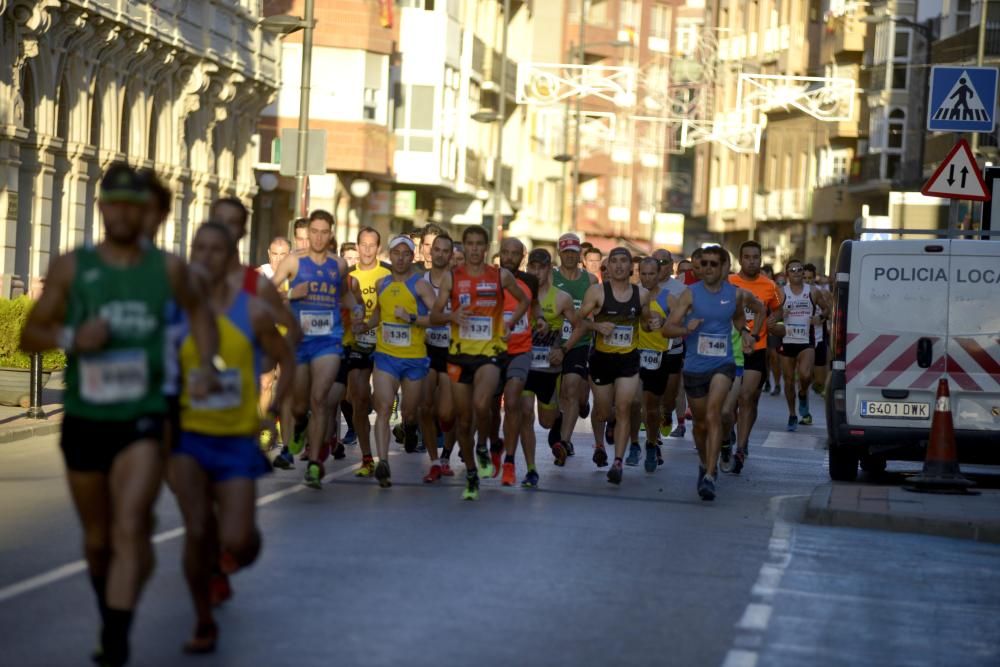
(606, 368)
(91, 446)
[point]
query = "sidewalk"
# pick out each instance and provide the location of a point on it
(894, 509)
(15, 424)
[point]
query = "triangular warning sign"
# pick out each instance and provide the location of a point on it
(958, 177)
(962, 103)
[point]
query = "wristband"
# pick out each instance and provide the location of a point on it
(413, 318)
(66, 338)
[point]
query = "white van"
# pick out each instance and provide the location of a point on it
(907, 313)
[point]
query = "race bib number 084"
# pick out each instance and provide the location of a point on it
(316, 322)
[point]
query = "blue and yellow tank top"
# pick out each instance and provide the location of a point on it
(368, 279)
(232, 410)
(397, 337)
(319, 312)
(654, 340)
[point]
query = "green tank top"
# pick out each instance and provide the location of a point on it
(124, 380)
(737, 339)
(576, 289)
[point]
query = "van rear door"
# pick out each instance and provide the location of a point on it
(898, 308)
(974, 335)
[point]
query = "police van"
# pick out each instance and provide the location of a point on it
(907, 313)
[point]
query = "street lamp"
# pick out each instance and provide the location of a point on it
(284, 24)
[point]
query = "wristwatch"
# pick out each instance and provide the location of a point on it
(413, 318)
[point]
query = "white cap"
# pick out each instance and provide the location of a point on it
(402, 240)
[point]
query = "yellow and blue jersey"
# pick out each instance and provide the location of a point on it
(232, 410)
(398, 337)
(654, 340)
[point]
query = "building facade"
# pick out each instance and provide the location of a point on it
(168, 84)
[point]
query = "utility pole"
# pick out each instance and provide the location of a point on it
(497, 230)
(576, 133)
(302, 143)
(980, 54)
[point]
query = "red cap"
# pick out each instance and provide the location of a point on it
(569, 242)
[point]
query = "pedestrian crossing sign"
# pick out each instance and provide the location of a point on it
(962, 99)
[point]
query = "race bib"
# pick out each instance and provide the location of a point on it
(368, 338)
(114, 377)
(567, 330)
(477, 328)
(797, 332)
(229, 395)
(620, 337)
(396, 335)
(438, 337)
(521, 326)
(540, 357)
(316, 322)
(749, 314)
(650, 360)
(713, 345)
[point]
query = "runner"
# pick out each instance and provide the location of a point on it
(715, 306)
(798, 344)
(820, 371)
(338, 395)
(755, 363)
(592, 258)
(361, 346)
(574, 395)
(617, 307)
(106, 306)
(654, 368)
(437, 404)
(478, 348)
(349, 251)
(427, 236)
(547, 353)
(674, 359)
(316, 279)
(400, 316)
(458, 256)
(277, 251)
(214, 467)
(518, 354)
(300, 234)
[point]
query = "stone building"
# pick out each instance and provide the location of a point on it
(175, 85)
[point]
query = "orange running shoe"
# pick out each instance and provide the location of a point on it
(509, 475)
(434, 475)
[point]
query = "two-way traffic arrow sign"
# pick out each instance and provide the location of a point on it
(957, 177)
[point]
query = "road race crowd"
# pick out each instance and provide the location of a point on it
(208, 373)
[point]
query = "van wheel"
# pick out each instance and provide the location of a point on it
(843, 463)
(873, 465)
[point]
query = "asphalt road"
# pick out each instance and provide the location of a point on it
(577, 572)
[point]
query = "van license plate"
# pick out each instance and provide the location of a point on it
(892, 410)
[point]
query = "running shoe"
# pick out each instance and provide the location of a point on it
(471, 491)
(434, 475)
(339, 452)
(688, 416)
(556, 431)
(793, 424)
(776, 391)
(585, 410)
(767, 385)
(600, 457)
(803, 406)
(615, 474)
(446, 470)
(284, 460)
(634, 453)
(530, 480)
(807, 420)
(383, 474)
(701, 473)
(398, 433)
(659, 454)
(609, 432)
(570, 449)
(726, 458)
(665, 430)
(484, 464)
(367, 468)
(679, 432)
(739, 460)
(651, 458)
(314, 475)
(265, 439)
(560, 454)
(706, 488)
(496, 460)
(219, 589)
(350, 438)
(410, 439)
(509, 475)
(298, 443)
(642, 427)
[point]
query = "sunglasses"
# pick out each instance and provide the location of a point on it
(663, 262)
(710, 262)
(798, 269)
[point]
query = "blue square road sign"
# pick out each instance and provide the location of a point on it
(962, 99)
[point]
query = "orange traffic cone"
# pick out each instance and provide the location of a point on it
(941, 473)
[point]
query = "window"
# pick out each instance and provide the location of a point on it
(370, 103)
(659, 22)
(963, 14)
(630, 14)
(415, 118)
(687, 38)
(896, 129)
(833, 166)
(427, 5)
(373, 98)
(900, 59)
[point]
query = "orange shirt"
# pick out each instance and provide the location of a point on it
(767, 292)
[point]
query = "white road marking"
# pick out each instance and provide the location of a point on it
(755, 617)
(76, 567)
(785, 440)
(740, 658)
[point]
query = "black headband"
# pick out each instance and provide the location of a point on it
(620, 251)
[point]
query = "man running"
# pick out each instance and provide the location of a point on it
(755, 363)
(436, 410)
(798, 344)
(215, 464)
(277, 251)
(821, 285)
(617, 307)
(316, 281)
(106, 306)
(673, 361)
(575, 392)
(478, 348)
(592, 259)
(427, 236)
(361, 345)
(715, 307)
(401, 316)
(518, 355)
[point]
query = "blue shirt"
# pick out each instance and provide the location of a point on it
(710, 347)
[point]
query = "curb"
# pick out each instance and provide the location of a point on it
(28, 432)
(819, 512)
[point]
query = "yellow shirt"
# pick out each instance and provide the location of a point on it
(398, 337)
(367, 280)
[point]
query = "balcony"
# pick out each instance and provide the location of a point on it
(784, 204)
(961, 46)
(876, 171)
(845, 34)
